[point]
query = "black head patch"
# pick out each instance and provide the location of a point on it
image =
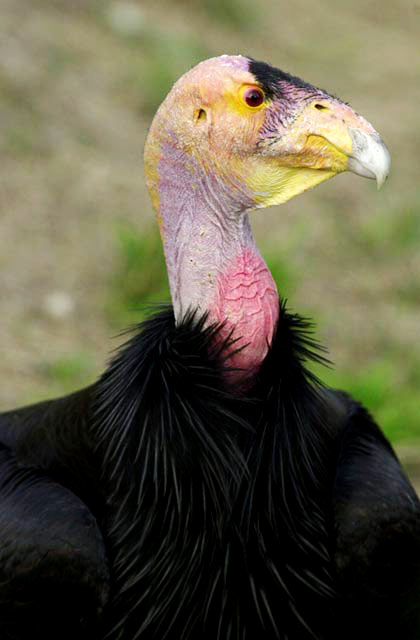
(270, 78)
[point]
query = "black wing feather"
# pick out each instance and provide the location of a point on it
(56, 437)
(377, 520)
(53, 570)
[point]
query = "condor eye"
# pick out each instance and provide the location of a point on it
(254, 97)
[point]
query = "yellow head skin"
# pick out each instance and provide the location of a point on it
(296, 138)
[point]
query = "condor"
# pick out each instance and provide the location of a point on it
(208, 486)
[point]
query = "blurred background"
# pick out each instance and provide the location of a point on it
(79, 83)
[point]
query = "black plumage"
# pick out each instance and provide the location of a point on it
(282, 514)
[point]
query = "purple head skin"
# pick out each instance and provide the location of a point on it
(234, 135)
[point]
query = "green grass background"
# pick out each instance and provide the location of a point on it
(79, 83)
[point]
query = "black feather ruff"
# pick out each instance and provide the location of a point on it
(217, 504)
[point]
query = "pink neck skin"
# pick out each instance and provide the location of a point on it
(213, 263)
(246, 301)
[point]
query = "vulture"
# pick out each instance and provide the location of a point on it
(208, 486)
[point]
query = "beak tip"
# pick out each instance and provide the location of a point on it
(370, 156)
(381, 179)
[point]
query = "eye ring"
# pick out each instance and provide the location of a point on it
(253, 97)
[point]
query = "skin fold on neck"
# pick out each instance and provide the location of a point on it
(214, 265)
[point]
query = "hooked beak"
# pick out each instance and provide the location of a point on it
(369, 156)
(327, 138)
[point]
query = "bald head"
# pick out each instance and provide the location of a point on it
(255, 125)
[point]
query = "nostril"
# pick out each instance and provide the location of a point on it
(320, 107)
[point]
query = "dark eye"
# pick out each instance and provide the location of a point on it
(254, 97)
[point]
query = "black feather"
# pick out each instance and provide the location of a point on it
(270, 78)
(54, 579)
(218, 526)
(222, 517)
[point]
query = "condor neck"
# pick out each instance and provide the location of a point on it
(214, 265)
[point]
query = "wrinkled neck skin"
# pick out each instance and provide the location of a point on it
(213, 263)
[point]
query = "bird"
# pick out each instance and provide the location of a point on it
(208, 485)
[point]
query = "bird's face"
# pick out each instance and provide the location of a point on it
(265, 133)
